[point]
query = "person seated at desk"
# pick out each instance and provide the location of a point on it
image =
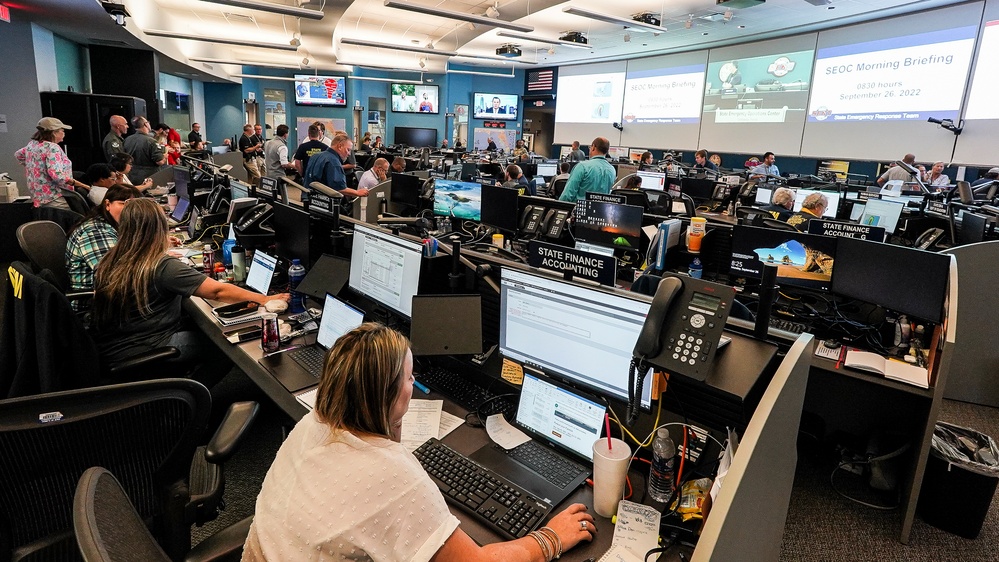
(767, 170)
(701, 162)
(515, 178)
(343, 487)
(716, 160)
(811, 208)
(781, 204)
(376, 175)
(645, 161)
(634, 182)
(99, 177)
(121, 165)
(138, 292)
(398, 165)
(94, 236)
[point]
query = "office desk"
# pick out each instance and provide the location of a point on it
(465, 439)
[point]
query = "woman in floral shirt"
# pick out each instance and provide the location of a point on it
(46, 165)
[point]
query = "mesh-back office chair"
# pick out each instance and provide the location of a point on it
(558, 186)
(752, 216)
(77, 202)
(146, 432)
(44, 242)
(108, 529)
(777, 225)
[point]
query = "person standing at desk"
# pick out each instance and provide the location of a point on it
(113, 141)
(490, 144)
(327, 167)
(767, 170)
(897, 172)
(249, 145)
(576, 155)
(595, 174)
(343, 487)
(811, 208)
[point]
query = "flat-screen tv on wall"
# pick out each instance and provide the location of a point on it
(320, 90)
(414, 98)
(416, 136)
(495, 106)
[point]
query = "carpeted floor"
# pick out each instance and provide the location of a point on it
(821, 525)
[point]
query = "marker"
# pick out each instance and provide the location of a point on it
(421, 386)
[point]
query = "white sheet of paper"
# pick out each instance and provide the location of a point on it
(504, 434)
(449, 423)
(421, 422)
(724, 463)
(308, 398)
(636, 532)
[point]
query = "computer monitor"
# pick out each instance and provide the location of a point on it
(698, 189)
(652, 180)
(291, 232)
(181, 179)
(238, 189)
(764, 196)
(406, 189)
(458, 199)
(857, 210)
(608, 224)
(469, 171)
(338, 319)
(548, 169)
(385, 268)
(579, 334)
(618, 152)
(973, 227)
(833, 197)
(805, 260)
(869, 271)
(878, 212)
(454, 172)
(530, 169)
(499, 208)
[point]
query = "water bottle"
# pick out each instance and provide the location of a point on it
(295, 275)
(662, 474)
(208, 260)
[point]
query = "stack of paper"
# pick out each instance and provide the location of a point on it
(890, 368)
(635, 533)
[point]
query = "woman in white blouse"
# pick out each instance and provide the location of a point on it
(935, 177)
(342, 487)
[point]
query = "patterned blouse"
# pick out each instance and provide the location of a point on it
(85, 247)
(47, 168)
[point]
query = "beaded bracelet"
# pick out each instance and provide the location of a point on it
(546, 551)
(556, 541)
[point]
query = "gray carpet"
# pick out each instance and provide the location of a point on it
(821, 525)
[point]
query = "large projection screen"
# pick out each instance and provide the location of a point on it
(977, 144)
(662, 101)
(588, 102)
(875, 85)
(755, 96)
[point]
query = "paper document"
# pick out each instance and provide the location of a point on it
(421, 422)
(308, 398)
(636, 532)
(449, 423)
(504, 434)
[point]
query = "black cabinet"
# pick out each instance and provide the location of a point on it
(89, 116)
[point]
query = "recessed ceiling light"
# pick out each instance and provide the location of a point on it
(830, 7)
(705, 33)
(742, 27)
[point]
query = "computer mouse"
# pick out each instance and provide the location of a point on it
(276, 306)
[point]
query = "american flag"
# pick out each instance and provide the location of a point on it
(541, 81)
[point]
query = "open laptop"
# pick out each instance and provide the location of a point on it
(261, 272)
(301, 368)
(563, 423)
(179, 214)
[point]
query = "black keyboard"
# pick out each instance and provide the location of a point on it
(466, 393)
(552, 466)
(310, 358)
(787, 325)
(495, 501)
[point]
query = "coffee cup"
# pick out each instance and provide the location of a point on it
(610, 468)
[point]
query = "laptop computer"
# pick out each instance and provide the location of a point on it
(562, 422)
(301, 368)
(261, 272)
(179, 214)
(328, 276)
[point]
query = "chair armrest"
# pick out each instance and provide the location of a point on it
(143, 359)
(230, 432)
(224, 545)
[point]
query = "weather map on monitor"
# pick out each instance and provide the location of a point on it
(320, 90)
(458, 199)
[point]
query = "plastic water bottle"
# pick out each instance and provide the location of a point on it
(295, 275)
(662, 474)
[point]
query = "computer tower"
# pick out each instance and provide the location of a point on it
(89, 115)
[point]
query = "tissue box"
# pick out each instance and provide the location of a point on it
(8, 191)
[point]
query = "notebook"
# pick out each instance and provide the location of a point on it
(559, 418)
(338, 319)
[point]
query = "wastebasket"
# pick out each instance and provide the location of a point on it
(960, 480)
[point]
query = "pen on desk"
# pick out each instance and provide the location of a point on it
(282, 350)
(421, 386)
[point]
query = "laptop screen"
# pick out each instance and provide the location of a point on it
(181, 209)
(261, 272)
(338, 319)
(559, 415)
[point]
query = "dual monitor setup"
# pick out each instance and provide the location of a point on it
(884, 213)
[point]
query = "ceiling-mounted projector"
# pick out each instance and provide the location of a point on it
(509, 51)
(648, 18)
(574, 37)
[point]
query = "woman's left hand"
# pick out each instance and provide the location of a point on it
(174, 241)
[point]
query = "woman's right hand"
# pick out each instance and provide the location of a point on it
(568, 525)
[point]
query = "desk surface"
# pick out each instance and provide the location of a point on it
(465, 439)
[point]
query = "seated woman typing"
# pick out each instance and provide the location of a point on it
(342, 487)
(94, 236)
(139, 289)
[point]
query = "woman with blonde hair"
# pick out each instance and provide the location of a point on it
(342, 487)
(139, 290)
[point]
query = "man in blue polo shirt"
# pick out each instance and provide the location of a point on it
(327, 167)
(595, 174)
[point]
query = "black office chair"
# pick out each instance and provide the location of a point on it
(148, 433)
(777, 225)
(633, 197)
(558, 186)
(752, 216)
(108, 528)
(44, 242)
(77, 202)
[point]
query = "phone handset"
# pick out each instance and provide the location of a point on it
(254, 218)
(530, 219)
(649, 342)
(929, 238)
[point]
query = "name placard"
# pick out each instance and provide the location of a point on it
(573, 262)
(606, 197)
(846, 230)
(865, 195)
(320, 204)
(937, 207)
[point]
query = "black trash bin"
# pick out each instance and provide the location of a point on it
(960, 480)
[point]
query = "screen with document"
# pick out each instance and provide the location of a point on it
(559, 415)
(338, 319)
(385, 268)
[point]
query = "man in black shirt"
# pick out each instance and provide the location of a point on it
(308, 149)
(194, 138)
(249, 145)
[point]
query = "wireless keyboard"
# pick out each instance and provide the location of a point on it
(466, 393)
(496, 502)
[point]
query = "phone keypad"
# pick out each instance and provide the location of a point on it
(692, 345)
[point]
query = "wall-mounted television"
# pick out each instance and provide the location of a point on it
(320, 90)
(413, 98)
(415, 136)
(495, 106)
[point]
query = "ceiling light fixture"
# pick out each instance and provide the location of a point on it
(392, 80)
(392, 46)
(296, 40)
(607, 18)
(212, 39)
(450, 70)
(547, 41)
(282, 9)
(690, 21)
(263, 77)
(491, 58)
(493, 11)
(378, 67)
(244, 62)
(461, 16)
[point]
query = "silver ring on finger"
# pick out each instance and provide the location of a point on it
(582, 525)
